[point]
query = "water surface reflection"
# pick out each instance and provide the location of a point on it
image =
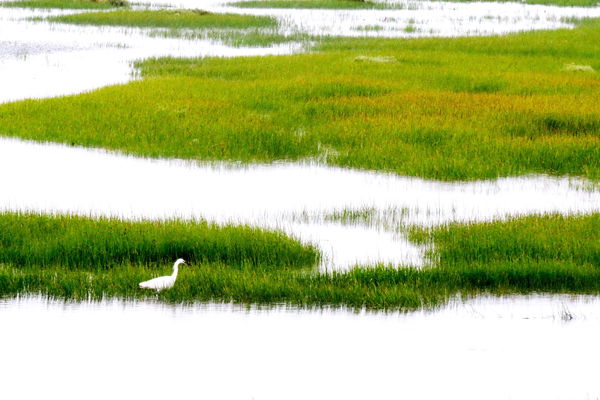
(468, 350)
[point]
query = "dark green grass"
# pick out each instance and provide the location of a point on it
(81, 259)
(173, 19)
(571, 241)
(449, 109)
(83, 243)
(67, 4)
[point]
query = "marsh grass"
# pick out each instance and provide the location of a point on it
(571, 241)
(249, 37)
(232, 29)
(80, 243)
(67, 4)
(81, 259)
(448, 109)
(172, 19)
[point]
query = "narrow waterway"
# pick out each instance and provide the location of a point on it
(307, 201)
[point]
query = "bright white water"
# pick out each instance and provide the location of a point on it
(300, 199)
(522, 348)
(39, 59)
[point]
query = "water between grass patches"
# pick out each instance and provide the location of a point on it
(41, 59)
(355, 217)
(412, 18)
(523, 348)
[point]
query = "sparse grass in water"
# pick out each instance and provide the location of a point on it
(365, 4)
(560, 3)
(67, 4)
(318, 4)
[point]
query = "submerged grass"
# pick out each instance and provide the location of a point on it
(449, 109)
(45, 255)
(66, 4)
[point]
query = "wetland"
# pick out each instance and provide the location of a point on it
(381, 184)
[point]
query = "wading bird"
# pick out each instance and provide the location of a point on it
(163, 282)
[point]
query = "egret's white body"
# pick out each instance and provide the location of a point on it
(163, 282)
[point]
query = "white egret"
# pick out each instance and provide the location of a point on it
(163, 282)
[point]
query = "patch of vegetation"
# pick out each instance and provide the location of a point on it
(318, 4)
(67, 4)
(232, 29)
(253, 37)
(552, 253)
(173, 19)
(449, 109)
(77, 258)
(79, 243)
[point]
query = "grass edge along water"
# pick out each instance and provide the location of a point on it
(551, 254)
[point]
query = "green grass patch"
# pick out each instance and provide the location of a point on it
(78, 243)
(173, 19)
(449, 109)
(555, 239)
(67, 4)
(232, 29)
(78, 258)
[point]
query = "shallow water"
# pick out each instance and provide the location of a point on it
(428, 19)
(486, 348)
(41, 59)
(300, 199)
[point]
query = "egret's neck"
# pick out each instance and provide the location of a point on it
(175, 270)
